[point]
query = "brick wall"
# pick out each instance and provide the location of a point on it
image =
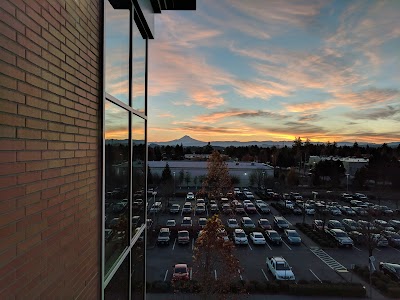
(50, 87)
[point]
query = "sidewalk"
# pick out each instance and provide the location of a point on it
(242, 297)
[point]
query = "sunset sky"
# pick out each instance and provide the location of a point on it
(275, 70)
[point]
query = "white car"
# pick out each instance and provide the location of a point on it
(232, 223)
(259, 202)
(247, 202)
(249, 195)
(247, 223)
(240, 237)
(190, 196)
(257, 238)
(170, 223)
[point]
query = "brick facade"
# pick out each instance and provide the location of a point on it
(50, 94)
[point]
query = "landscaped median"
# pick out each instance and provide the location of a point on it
(302, 288)
(379, 280)
(318, 236)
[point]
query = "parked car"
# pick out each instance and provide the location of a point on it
(386, 210)
(393, 270)
(273, 237)
(183, 237)
(350, 225)
(187, 208)
(335, 211)
(341, 237)
(310, 210)
(180, 272)
(257, 238)
(247, 223)
(292, 236)
(190, 196)
(251, 209)
(200, 208)
(232, 223)
(360, 211)
(239, 208)
(357, 237)
(395, 224)
(163, 236)
(279, 268)
(380, 224)
(346, 197)
(170, 223)
(223, 234)
(346, 210)
(226, 209)
(280, 223)
(318, 224)
(186, 222)
(367, 226)
(213, 208)
(297, 211)
(175, 208)
(392, 237)
(264, 208)
(264, 224)
(360, 196)
(379, 240)
(202, 222)
(335, 224)
(240, 237)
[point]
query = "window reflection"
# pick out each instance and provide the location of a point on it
(139, 70)
(138, 172)
(137, 272)
(118, 287)
(116, 182)
(117, 52)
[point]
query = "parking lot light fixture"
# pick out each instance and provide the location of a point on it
(347, 182)
(174, 185)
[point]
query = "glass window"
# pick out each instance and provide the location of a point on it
(118, 287)
(138, 172)
(117, 52)
(138, 69)
(117, 175)
(138, 268)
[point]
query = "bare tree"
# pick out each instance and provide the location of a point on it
(215, 265)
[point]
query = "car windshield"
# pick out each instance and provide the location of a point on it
(164, 234)
(170, 222)
(273, 234)
(232, 222)
(282, 267)
(248, 221)
(264, 222)
(181, 270)
(202, 222)
(258, 235)
(293, 234)
(240, 234)
(282, 222)
(341, 234)
(183, 234)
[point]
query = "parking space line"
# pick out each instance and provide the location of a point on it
(191, 273)
(206, 211)
(286, 245)
(215, 274)
(315, 276)
(265, 275)
(165, 276)
(268, 246)
(192, 243)
(395, 249)
(378, 249)
(182, 212)
(240, 275)
(173, 246)
(248, 244)
(357, 248)
(258, 213)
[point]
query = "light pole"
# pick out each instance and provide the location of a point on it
(245, 174)
(347, 182)
(174, 186)
(263, 183)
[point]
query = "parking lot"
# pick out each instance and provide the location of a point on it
(308, 261)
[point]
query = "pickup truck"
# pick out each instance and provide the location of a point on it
(279, 268)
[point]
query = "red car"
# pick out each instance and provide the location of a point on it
(181, 272)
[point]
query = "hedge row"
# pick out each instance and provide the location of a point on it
(318, 236)
(283, 210)
(303, 288)
(379, 280)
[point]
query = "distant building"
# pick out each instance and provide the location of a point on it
(351, 164)
(242, 170)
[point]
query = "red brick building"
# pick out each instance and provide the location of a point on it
(53, 130)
